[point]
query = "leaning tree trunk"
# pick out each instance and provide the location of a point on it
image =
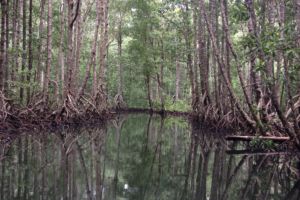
(93, 54)
(240, 75)
(269, 92)
(249, 122)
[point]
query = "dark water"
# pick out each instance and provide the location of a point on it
(140, 157)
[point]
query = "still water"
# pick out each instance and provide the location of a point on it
(141, 157)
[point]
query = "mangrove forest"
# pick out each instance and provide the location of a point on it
(206, 94)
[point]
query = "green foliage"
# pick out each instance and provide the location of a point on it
(262, 144)
(180, 105)
(238, 12)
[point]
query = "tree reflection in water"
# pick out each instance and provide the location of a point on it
(140, 157)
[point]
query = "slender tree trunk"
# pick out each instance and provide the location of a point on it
(15, 35)
(101, 95)
(187, 34)
(2, 43)
(160, 78)
(120, 41)
(70, 60)
(227, 56)
(49, 52)
(270, 75)
(24, 50)
(7, 32)
(30, 52)
(214, 22)
(149, 93)
(178, 77)
(61, 54)
(92, 60)
(40, 70)
(254, 94)
(78, 45)
(297, 8)
(195, 52)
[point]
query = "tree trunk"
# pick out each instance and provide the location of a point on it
(49, 52)
(39, 74)
(240, 75)
(93, 54)
(6, 63)
(187, 35)
(203, 67)
(195, 52)
(221, 64)
(24, 54)
(120, 41)
(297, 8)
(2, 43)
(15, 35)
(160, 78)
(216, 73)
(269, 91)
(78, 45)
(101, 95)
(61, 54)
(178, 77)
(70, 61)
(148, 83)
(30, 53)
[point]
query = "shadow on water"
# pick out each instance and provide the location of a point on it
(141, 157)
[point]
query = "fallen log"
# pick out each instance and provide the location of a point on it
(250, 138)
(258, 152)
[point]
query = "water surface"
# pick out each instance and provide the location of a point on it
(141, 157)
